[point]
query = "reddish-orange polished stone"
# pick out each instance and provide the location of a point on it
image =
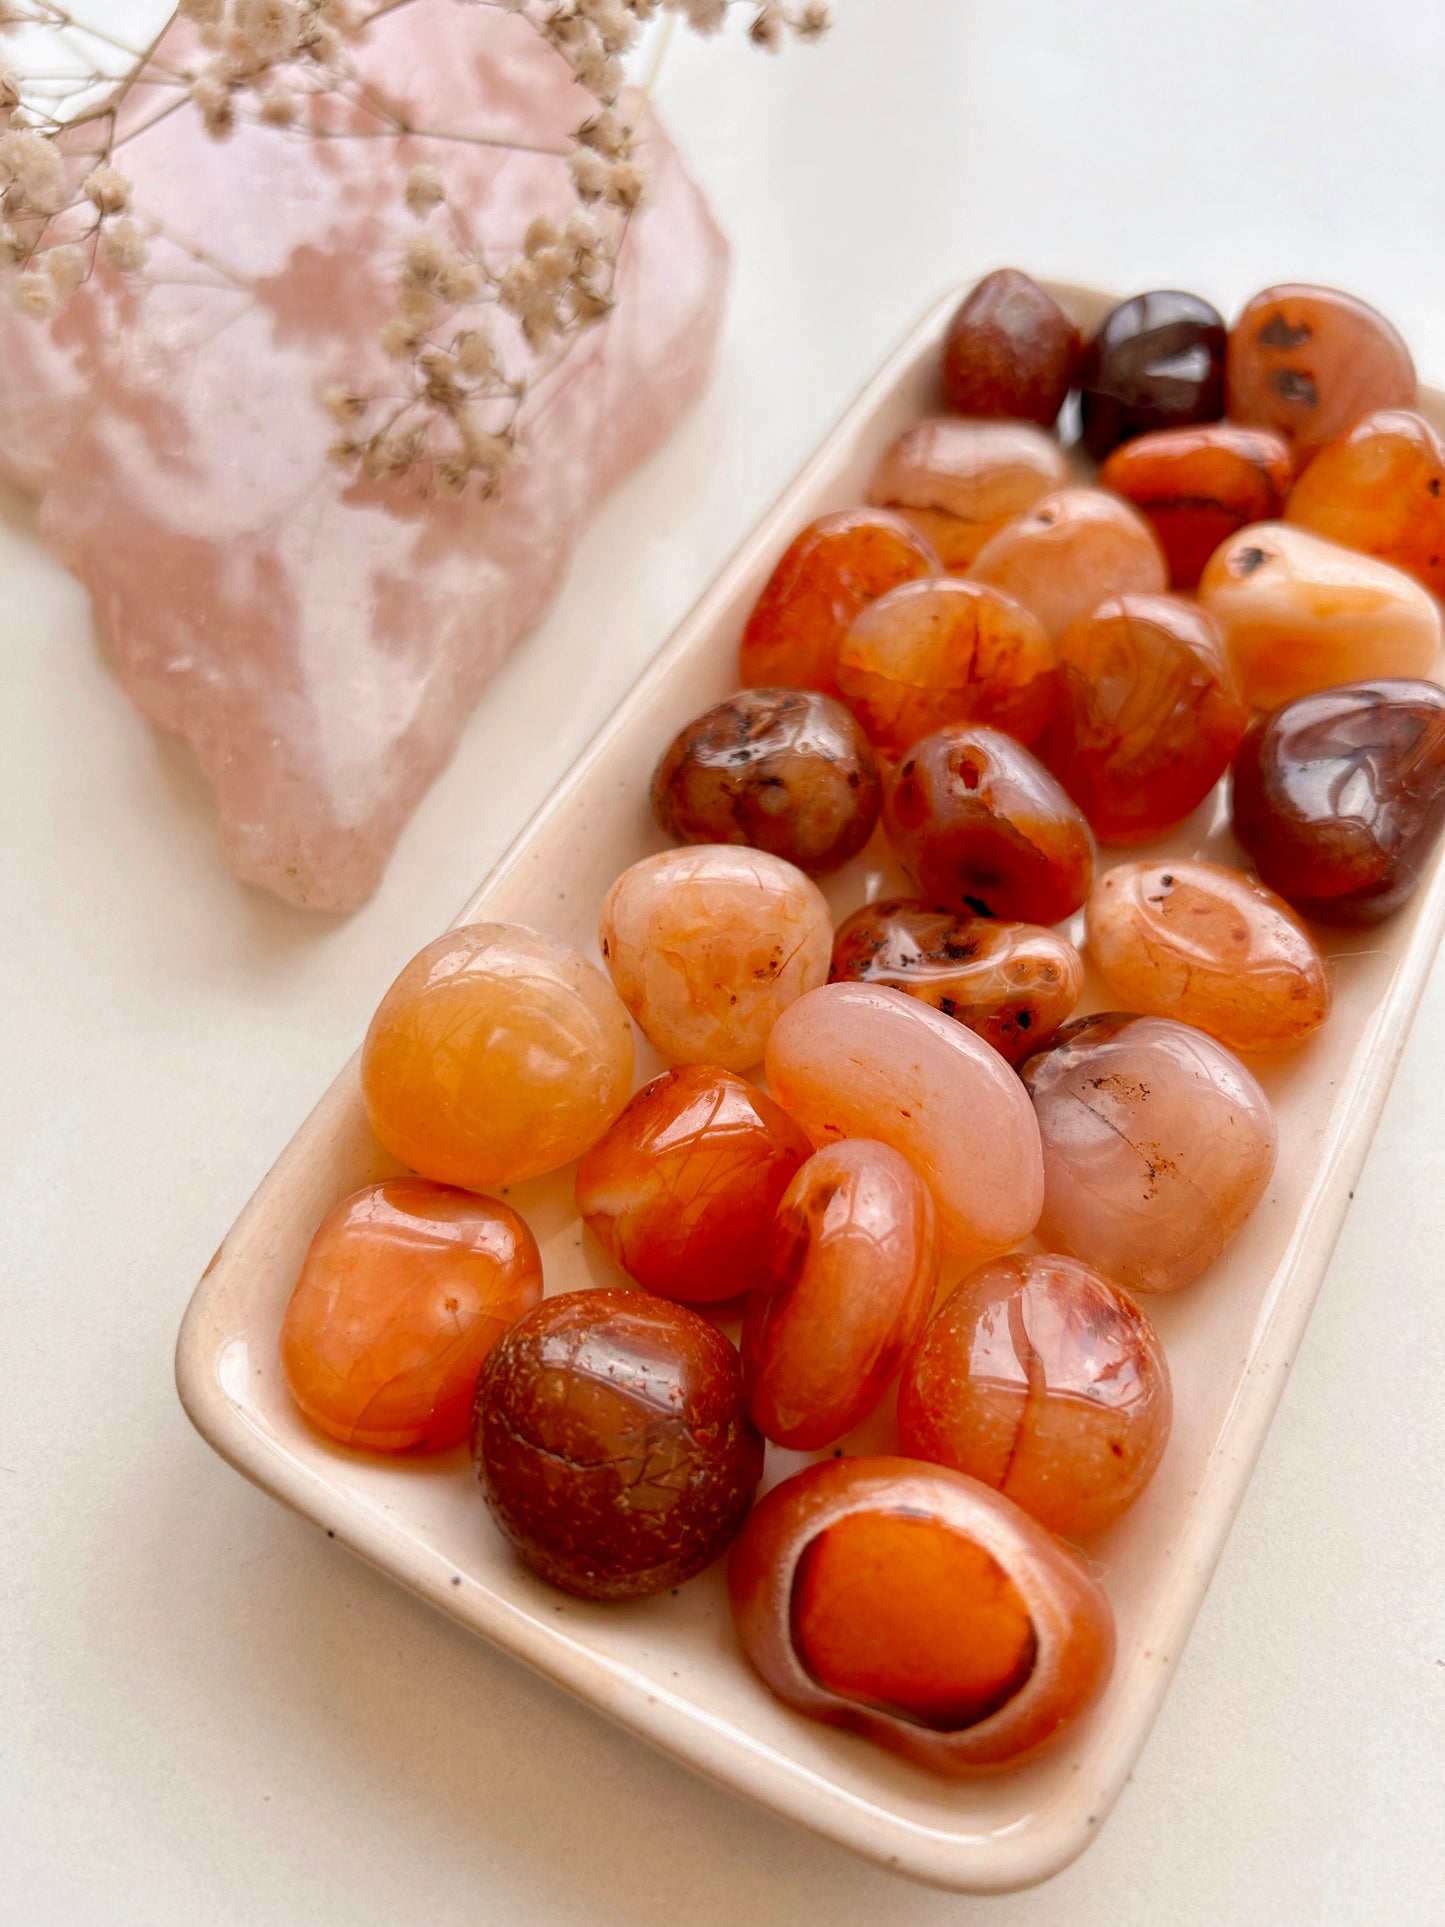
(1196, 486)
(917, 1607)
(1069, 552)
(979, 824)
(828, 573)
(406, 1287)
(1010, 350)
(1012, 984)
(683, 1188)
(1311, 362)
(1380, 488)
(1147, 717)
(946, 651)
(852, 1269)
(612, 1442)
(1040, 1378)
(957, 481)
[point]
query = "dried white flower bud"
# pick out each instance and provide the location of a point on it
(589, 172)
(66, 267)
(607, 133)
(107, 190)
(424, 190)
(202, 13)
(35, 295)
(553, 268)
(542, 233)
(767, 25)
(12, 248)
(278, 110)
(123, 247)
(399, 338)
(705, 16)
(517, 287)
(265, 30)
(475, 356)
(625, 184)
(344, 405)
(813, 18)
(212, 98)
(32, 169)
(9, 88)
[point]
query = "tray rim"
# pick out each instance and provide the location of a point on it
(1053, 1837)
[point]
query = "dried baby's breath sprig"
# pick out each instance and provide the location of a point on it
(68, 205)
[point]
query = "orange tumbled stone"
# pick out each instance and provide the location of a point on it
(1300, 613)
(957, 481)
(498, 1054)
(908, 1615)
(945, 651)
(683, 1188)
(1380, 488)
(1313, 361)
(1209, 946)
(1196, 486)
(830, 571)
(1147, 715)
(406, 1287)
(1069, 552)
(1039, 1377)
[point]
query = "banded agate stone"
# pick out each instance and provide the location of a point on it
(957, 481)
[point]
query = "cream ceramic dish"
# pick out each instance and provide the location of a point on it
(670, 1669)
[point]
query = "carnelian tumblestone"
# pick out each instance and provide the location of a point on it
(683, 1187)
(1039, 1377)
(908, 1616)
(957, 481)
(1010, 350)
(406, 1287)
(1196, 486)
(1380, 488)
(834, 568)
(852, 1269)
(1071, 550)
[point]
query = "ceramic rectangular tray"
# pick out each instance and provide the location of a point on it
(669, 1669)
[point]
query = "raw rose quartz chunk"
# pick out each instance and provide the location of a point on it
(1069, 552)
(957, 481)
(860, 1060)
(709, 945)
(1209, 946)
(1157, 1145)
(320, 642)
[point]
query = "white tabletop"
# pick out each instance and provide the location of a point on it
(208, 1713)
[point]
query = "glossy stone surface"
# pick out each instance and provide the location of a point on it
(1156, 361)
(1069, 552)
(683, 1188)
(786, 770)
(852, 1270)
(1196, 486)
(1209, 946)
(404, 1290)
(1157, 1145)
(1039, 1377)
(1147, 716)
(1012, 984)
(946, 651)
(708, 946)
(957, 481)
(318, 642)
(1380, 488)
(612, 1443)
(918, 1608)
(1340, 797)
(826, 575)
(498, 1054)
(1010, 350)
(861, 1060)
(980, 825)
(1311, 362)
(1300, 613)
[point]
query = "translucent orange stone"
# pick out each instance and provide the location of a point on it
(852, 1270)
(1147, 715)
(1380, 488)
(1196, 486)
(907, 1615)
(834, 568)
(406, 1287)
(1012, 984)
(708, 946)
(1301, 614)
(498, 1054)
(1039, 1377)
(979, 824)
(957, 481)
(683, 1188)
(1311, 362)
(1209, 946)
(946, 651)
(1069, 552)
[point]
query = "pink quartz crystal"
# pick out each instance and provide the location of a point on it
(318, 641)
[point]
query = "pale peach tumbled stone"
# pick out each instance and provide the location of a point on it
(1157, 1145)
(1209, 946)
(957, 481)
(708, 945)
(859, 1060)
(1300, 613)
(1069, 552)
